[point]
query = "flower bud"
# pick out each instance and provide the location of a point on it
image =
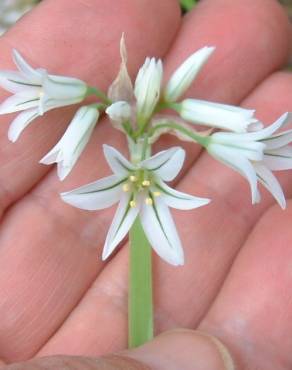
(183, 77)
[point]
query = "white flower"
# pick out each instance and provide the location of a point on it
(218, 115)
(36, 92)
(255, 154)
(183, 77)
(140, 190)
(69, 148)
(147, 87)
(119, 111)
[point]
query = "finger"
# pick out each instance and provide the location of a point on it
(204, 232)
(48, 39)
(52, 272)
(176, 350)
(253, 311)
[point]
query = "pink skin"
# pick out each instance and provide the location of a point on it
(56, 294)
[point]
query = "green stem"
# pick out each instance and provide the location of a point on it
(140, 288)
(187, 5)
(203, 140)
(94, 91)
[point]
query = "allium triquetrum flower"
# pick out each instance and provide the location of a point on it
(255, 155)
(36, 92)
(67, 151)
(140, 189)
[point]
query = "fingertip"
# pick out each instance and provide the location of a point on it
(184, 349)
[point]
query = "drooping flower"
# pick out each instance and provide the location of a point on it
(67, 151)
(141, 190)
(255, 155)
(218, 115)
(184, 75)
(147, 87)
(36, 92)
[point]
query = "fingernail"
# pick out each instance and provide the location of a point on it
(184, 349)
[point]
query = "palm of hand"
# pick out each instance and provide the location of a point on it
(56, 295)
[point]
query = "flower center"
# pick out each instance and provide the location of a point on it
(138, 182)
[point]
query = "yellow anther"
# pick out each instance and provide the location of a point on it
(149, 201)
(132, 203)
(126, 187)
(156, 193)
(146, 183)
(133, 178)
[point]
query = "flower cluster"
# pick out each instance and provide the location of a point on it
(138, 184)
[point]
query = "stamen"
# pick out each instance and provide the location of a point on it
(149, 201)
(126, 187)
(146, 183)
(156, 193)
(132, 203)
(133, 178)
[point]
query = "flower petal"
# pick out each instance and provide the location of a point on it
(19, 101)
(96, 195)
(32, 74)
(117, 162)
(279, 140)
(268, 131)
(64, 88)
(237, 162)
(52, 156)
(147, 87)
(183, 77)
(253, 150)
(165, 164)
(177, 199)
(79, 132)
(216, 115)
(19, 123)
(269, 181)
(122, 222)
(160, 230)
(14, 82)
(279, 159)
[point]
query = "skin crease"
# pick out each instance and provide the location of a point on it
(56, 294)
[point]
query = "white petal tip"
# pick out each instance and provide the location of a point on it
(12, 139)
(179, 261)
(105, 256)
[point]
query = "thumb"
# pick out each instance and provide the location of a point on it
(183, 349)
(175, 350)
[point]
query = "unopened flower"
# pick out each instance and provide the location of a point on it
(119, 111)
(67, 151)
(141, 191)
(183, 77)
(36, 92)
(217, 115)
(255, 154)
(147, 87)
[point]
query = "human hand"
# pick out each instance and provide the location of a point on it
(57, 296)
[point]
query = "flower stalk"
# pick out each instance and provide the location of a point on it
(140, 311)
